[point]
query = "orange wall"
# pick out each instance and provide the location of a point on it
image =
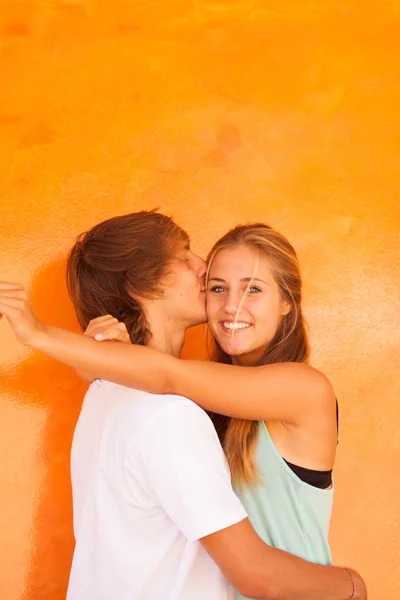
(219, 112)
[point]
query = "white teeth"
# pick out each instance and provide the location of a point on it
(232, 326)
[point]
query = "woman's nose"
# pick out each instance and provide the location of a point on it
(232, 304)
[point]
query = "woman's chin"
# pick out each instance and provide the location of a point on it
(233, 349)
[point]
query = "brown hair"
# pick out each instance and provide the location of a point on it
(289, 344)
(118, 262)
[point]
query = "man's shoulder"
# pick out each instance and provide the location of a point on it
(143, 406)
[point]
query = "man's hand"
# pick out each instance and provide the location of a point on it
(360, 589)
(15, 306)
(108, 328)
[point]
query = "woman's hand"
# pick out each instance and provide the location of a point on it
(108, 328)
(111, 361)
(15, 306)
(102, 329)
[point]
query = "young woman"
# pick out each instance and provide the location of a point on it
(275, 414)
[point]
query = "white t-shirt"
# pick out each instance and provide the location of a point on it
(149, 479)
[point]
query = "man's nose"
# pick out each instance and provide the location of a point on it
(201, 268)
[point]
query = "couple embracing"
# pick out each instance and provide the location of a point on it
(194, 480)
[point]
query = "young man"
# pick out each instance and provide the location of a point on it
(155, 517)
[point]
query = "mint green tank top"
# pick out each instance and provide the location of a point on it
(287, 513)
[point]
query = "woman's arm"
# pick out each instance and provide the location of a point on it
(187, 383)
(112, 361)
(108, 328)
(287, 391)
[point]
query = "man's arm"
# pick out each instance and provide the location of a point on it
(184, 468)
(259, 571)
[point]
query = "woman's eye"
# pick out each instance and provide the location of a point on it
(217, 288)
(253, 289)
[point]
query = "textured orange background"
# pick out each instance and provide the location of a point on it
(219, 112)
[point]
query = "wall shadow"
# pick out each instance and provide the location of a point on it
(43, 382)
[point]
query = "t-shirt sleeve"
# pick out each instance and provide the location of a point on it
(185, 471)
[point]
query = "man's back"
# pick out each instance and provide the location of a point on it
(140, 468)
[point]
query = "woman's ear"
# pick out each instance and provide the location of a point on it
(286, 308)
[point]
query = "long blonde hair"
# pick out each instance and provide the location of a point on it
(289, 344)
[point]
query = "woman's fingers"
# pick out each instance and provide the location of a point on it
(115, 331)
(7, 285)
(19, 295)
(12, 296)
(14, 305)
(10, 308)
(12, 301)
(104, 321)
(102, 318)
(106, 328)
(110, 333)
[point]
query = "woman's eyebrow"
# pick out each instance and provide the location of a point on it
(244, 279)
(253, 279)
